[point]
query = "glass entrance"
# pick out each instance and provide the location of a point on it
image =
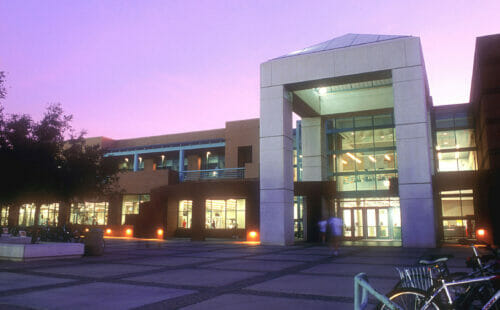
(353, 223)
(371, 218)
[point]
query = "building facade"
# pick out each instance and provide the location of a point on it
(369, 148)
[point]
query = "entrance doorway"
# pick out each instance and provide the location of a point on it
(371, 219)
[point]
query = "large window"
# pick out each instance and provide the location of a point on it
(27, 215)
(225, 214)
(126, 164)
(185, 218)
(213, 160)
(362, 152)
(49, 214)
(130, 204)
(458, 213)
(298, 217)
(89, 213)
(167, 161)
(4, 216)
(455, 142)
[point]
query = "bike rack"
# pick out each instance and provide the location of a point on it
(361, 290)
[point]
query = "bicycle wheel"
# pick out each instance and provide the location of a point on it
(409, 298)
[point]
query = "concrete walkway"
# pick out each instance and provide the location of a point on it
(205, 275)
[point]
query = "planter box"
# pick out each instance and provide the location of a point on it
(17, 240)
(29, 252)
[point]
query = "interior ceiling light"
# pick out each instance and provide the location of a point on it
(353, 157)
(387, 157)
(371, 158)
(322, 91)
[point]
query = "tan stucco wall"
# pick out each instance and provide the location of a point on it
(243, 133)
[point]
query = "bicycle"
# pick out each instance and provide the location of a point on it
(432, 278)
(413, 298)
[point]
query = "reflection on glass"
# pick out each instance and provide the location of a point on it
(344, 123)
(363, 121)
(382, 120)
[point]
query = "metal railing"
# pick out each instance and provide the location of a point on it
(212, 174)
(361, 290)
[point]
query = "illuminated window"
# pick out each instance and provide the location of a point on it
(225, 214)
(89, 213)
(4, 216)
(458, 214)
(130, 204)
(49, 214)
(362, 152)
(27, 215)
(184, 220)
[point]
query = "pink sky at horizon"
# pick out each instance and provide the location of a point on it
(143, 68)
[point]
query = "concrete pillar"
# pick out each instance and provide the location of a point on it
(115, 209)
(181, 164)
(14, 215)
(64, 213)
(418, 223)
(276, 167)
(198, 219)
(313, 150)
(136, 162)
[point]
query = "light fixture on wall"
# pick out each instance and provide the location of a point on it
(322, 91)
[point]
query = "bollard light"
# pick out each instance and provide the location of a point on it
(159, 233)
(108, 231)
(128, 232)
(481, 232)
(253, 236)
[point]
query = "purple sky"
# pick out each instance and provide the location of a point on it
(140, 68)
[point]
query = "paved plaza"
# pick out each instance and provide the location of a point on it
(180, 274)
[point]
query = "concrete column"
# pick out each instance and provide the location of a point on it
(313, 150)
(418, 222)
(115, 209)
(276, 167)
(136, 162)
(181, 164)
(14, 215)
(198, 219)
(64, 213)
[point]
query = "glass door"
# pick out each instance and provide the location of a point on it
(383, 223)
(371, 221)
(346, 213)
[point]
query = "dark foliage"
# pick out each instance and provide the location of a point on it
(40, 166)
